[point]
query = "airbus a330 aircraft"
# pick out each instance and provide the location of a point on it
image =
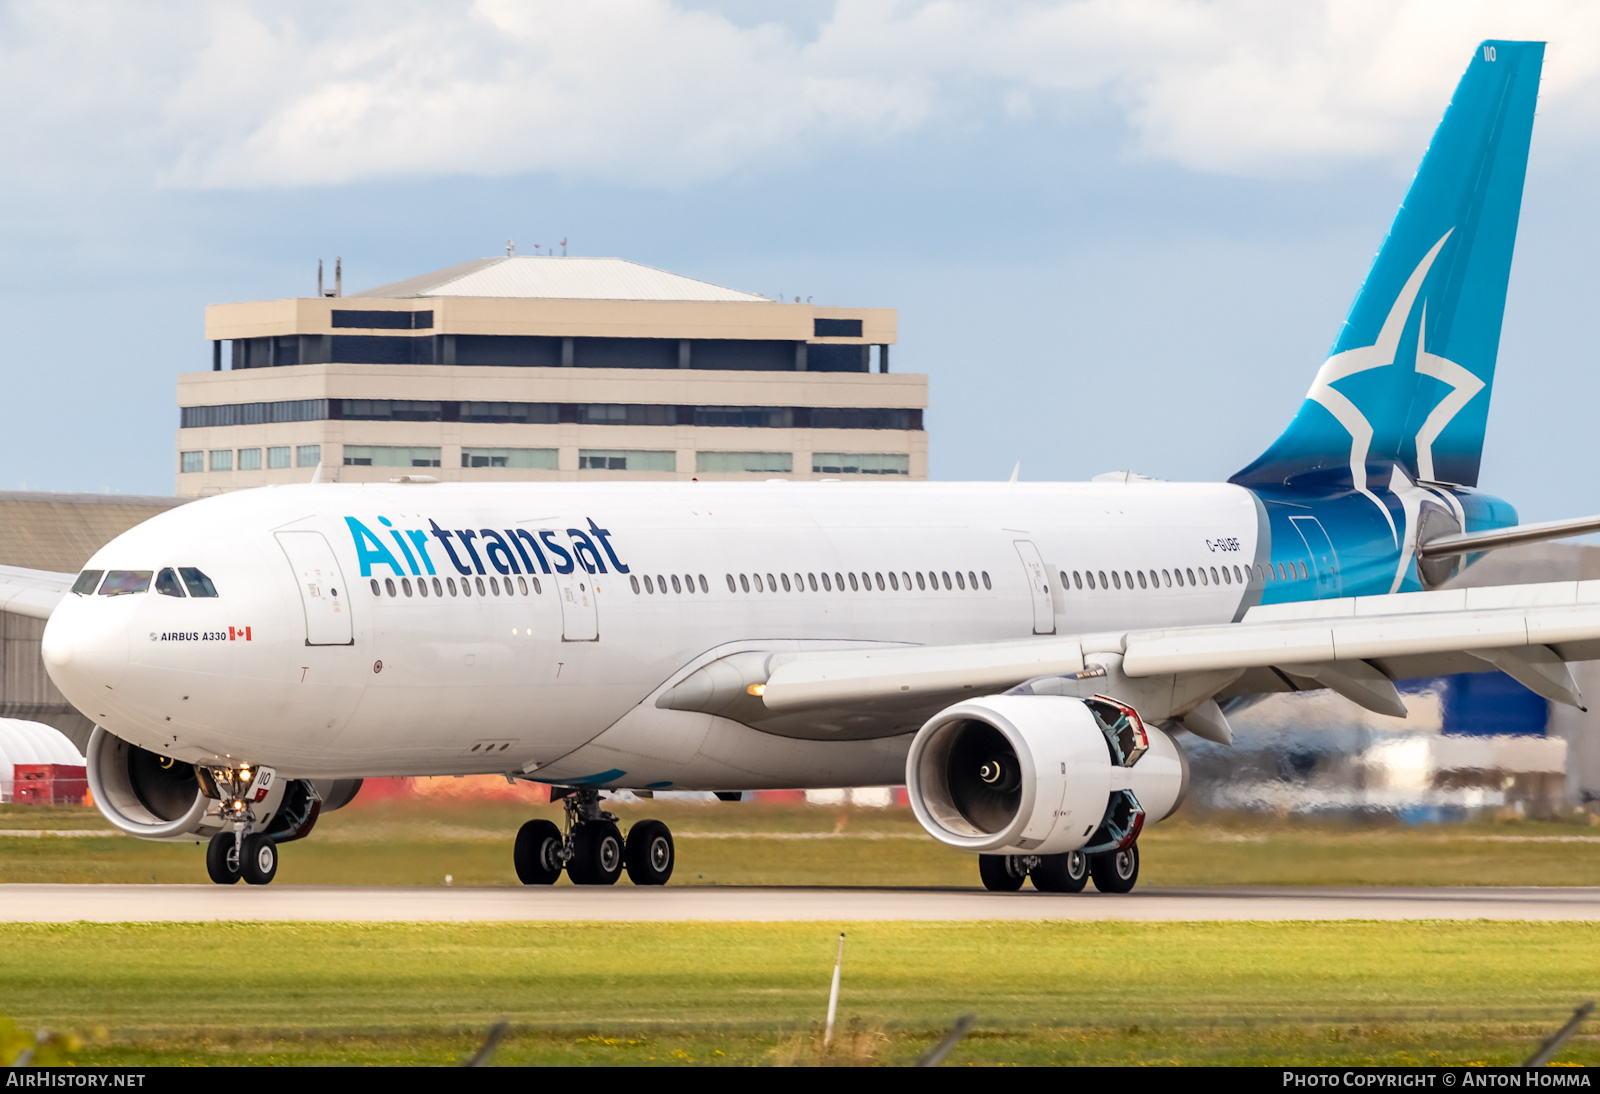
(1023, 657)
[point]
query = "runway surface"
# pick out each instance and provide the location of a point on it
(190, 903)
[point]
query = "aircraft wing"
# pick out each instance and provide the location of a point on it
(1357, 646)
(32, 593)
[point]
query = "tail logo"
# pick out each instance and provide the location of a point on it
(1381, 354)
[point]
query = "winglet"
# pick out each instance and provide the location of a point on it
(316, 476)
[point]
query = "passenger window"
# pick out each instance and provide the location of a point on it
(634, 581)
(866, 581)
(905, 579)
(1179, 575)
(1304, 573)
(827, 583)
(732, 588)
(838, 580)
(388, 586)
(1104, 581)
(422, 586)
(986, 579)
(705, 586)
(1126, 576)
(198, 583)
(376, 589)
(1090, 575)
(438, 589)
(494, 586)
(1141, 579)
(812, 578)
(1077, 579)
(853, 586)
(961, 582)
(478, 581)
(759, 587)
(405, 585)
(879, 579)
(466, 587)
(1203, 580)
(536, 589)
(947, 580)
(450, 583)
(167, 584)
(772, 585)
(744, 582)
(85, 585)
(920, 584)
(933, 581)
(786, 587)
(1227, 578)
(1238, 576)
(894, 581)
(1214, 579)
(972, 579)
(1116, 579)
(649, 585)
(522, 586)
(1190, 574)
(661, 584)
(677, 586)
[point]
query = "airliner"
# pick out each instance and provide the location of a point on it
(1025, 658)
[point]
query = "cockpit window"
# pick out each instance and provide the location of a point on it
(85, 585)
(199, 584)
(167, 583)
(124, 582)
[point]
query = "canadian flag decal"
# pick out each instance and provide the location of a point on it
(238, 634)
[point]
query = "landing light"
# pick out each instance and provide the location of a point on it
(758, 690)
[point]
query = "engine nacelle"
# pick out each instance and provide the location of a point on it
(158, 798)
(1042, 774)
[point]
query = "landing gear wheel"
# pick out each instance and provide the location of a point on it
(596, 854)
(222, 864)
(1065, 873)
(537, 853)
(1115, 871)
(259, 860)
(1001, 873)
(649, 853)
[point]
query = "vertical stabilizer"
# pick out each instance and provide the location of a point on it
(1409, 377)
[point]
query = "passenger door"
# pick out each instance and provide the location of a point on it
(1044, 616)
(580, 615)
(1324, 561)
(323, 594)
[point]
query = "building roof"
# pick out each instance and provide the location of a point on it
(60, 531)
(556, 278)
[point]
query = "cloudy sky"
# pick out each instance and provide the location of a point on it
(1119, 234)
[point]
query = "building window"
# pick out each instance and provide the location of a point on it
(526, 413)
(249, 459)
(836, 328)
(383, 320)
(191, 462)
(836, 417)
(626, 414)
(222, 459)
(278, 457)
(543, 459)
(308, 455)
(861, 463)
(758, 462)
(389, 455)
(606, 459)
(391, 410)
(760, 417)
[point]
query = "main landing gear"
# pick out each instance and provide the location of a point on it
(1111, 872)
(593, 851)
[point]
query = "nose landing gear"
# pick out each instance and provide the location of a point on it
(593, 851)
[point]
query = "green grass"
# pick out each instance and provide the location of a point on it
(1106, 993)
(407, 842)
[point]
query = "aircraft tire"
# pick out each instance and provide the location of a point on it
(1115, 871)
(221, 864)
(1063, 873)
(650, 854)
(537, 853)
(596, 854)
(259, 861)
(1001, 873)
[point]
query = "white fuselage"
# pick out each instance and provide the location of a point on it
(309, 670)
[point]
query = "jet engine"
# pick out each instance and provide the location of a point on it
(1042, 774)
(158, 798)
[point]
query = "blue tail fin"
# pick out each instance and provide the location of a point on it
(1409, 377)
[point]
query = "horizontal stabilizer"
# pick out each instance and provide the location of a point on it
(1466, 543)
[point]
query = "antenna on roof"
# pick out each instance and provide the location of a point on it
(563, 246)
(319, 279)
(338, 276)
(511, 247)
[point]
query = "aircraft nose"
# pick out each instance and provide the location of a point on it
(84, 652)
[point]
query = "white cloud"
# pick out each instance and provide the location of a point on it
(646, 92)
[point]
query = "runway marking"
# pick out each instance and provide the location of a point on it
(623, 903)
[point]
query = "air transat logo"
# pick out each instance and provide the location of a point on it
(1464, 386)
(507, 550)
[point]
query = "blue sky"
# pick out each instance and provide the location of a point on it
(1119, 235)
